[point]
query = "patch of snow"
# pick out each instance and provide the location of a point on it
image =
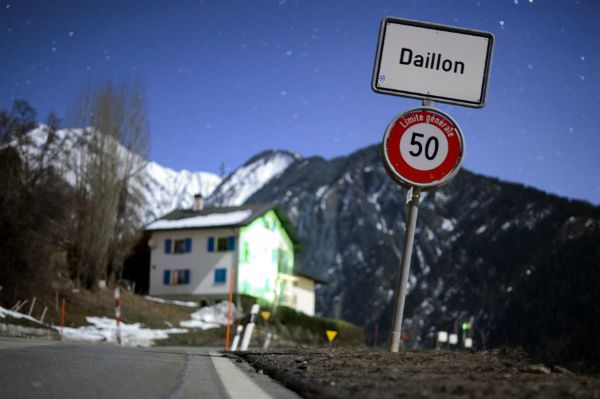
(447, 224)
(429, 234)
(320, 191)
(173, 302)
(250, 178)
(211, 316)
(211, 220)
(103, 329)
(390, 295)
(505, 226)
(440, 196)
(17, 315)
(481, 229)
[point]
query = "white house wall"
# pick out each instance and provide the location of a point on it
(262, 243)
(199, 261)
(304, 292)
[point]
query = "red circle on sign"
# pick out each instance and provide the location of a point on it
(424, 160)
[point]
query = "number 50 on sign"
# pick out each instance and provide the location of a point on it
(423, 148)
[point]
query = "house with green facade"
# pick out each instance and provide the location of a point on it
(198, 253)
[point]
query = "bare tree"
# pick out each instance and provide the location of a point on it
(108, 175)
(34, 200)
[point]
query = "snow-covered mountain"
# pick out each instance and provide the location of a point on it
(167, 189)
(236, 188)
(163, 189)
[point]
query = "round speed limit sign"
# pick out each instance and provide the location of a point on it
(423, 148)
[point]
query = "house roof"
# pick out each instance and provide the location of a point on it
(212, 217)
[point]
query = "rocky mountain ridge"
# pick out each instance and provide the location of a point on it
(519, 264)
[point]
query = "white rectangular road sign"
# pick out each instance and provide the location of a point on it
(430, 61)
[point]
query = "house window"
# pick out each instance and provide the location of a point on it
(176, 277)
(223, 244)
(181, 246)
(220, 276)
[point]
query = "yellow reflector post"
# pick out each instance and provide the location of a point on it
(331, 335)
(265, 314)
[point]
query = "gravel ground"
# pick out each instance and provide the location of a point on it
(420, 374)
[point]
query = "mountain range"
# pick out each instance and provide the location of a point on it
(521, 266)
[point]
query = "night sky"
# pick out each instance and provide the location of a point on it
(227, 79)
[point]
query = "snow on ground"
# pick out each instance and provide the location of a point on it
(172, 302)
(210, 316)
(17, 315)
(481, 229)
(103, 329)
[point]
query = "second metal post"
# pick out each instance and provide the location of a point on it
(402, 282)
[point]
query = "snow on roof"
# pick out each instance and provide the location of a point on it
(210, 220)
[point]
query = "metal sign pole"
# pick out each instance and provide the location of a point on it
(412, 202)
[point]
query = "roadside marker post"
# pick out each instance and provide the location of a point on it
(465, 327)
(20, 304)
(62, 319)
(118, 314)
(453, 339)
(442, 338)
(331, 334)
(423, 147)
(31, 307)
(236, 339)
(229, 305)
(43, 314)
(265, 314)
(249, 327)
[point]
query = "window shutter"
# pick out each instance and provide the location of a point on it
(231, 243)
(168, 246)
(186, 276)
(211, 244)
(188, 245)
(166, 277)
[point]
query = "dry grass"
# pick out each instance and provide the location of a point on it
(134, 309)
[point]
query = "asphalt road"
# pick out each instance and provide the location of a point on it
(47, 369)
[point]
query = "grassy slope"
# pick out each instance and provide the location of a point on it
(290, 328)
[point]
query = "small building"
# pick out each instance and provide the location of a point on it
(193, 253)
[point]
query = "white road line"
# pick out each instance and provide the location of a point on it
(237, 384)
